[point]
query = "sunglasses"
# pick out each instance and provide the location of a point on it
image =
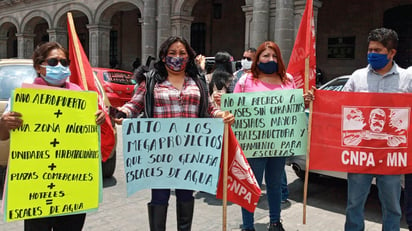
(54, 61)
(248, 59)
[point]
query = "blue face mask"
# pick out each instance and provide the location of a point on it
(269, 67)
(56, 75)
(377, 61)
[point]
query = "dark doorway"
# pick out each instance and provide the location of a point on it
(198, 37)
(11, 43)
(400, 20)
(114, 61)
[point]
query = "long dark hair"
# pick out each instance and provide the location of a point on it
(223, 73)
(281, 66)
(191, 68)
(222, 62)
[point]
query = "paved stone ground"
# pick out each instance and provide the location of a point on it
(325, 210)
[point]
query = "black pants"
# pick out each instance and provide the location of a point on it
(61, 223)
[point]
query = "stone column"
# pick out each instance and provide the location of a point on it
(248, 9)
(59, 35)
(260, 22)
(272, 20)
(3, 47)
(284, 28)
(181, 26)
(25, 45)
(316, 5)
(149, 30)
(99, 45)
(163, 21)
(300, 7)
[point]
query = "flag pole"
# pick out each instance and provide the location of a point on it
(225, 170)
(77, 49)
(309, 20)
(305, 187)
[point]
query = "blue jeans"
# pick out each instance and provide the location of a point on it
(273, 167)
(161, 196)
(285, 191)
(408, 200)
(389, 191)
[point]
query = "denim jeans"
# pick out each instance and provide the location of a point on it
(389, 191)
(285, 191)
(408, 200)
(161, 196)
(273, 168)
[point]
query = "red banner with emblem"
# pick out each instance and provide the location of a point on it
(242, 188)
(361, 132)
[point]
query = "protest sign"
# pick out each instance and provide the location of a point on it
(366, 135)
(54, 162)
(269, 123)
(179, 153)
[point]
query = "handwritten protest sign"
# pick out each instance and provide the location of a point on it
(179, 153)
(54, 163)
(269, 123)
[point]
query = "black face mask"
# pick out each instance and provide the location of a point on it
(269, 67)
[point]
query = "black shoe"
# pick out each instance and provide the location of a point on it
(285, 204)
(241, 226)
(276, 227)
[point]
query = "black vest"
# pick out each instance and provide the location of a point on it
(149, 96)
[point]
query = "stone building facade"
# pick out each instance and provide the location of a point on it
(118, 31)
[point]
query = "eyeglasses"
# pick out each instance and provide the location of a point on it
(248, 59)
(54, 61)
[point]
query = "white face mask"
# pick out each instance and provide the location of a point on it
(246, 64)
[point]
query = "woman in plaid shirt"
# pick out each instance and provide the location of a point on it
(174, 89)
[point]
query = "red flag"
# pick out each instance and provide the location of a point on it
(304, 47)
(243, 188)
(82, 75)
(366, 135)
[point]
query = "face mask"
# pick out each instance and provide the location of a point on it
(56, 75)
(377, 61)
(246, 64)
(176, 63)
(269, 67)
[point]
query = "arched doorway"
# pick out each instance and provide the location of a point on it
(125, 34)
(400, 20)
(81, 21)
(34, 33)
(218, 26)
(8, 40)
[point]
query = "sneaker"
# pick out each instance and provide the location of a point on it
(285, 204)
(276, 227)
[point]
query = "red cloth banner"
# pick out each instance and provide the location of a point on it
(243, 188)
(361, 132)
(305, 46)
(80, 66)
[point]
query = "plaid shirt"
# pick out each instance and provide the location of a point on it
(169, 101)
